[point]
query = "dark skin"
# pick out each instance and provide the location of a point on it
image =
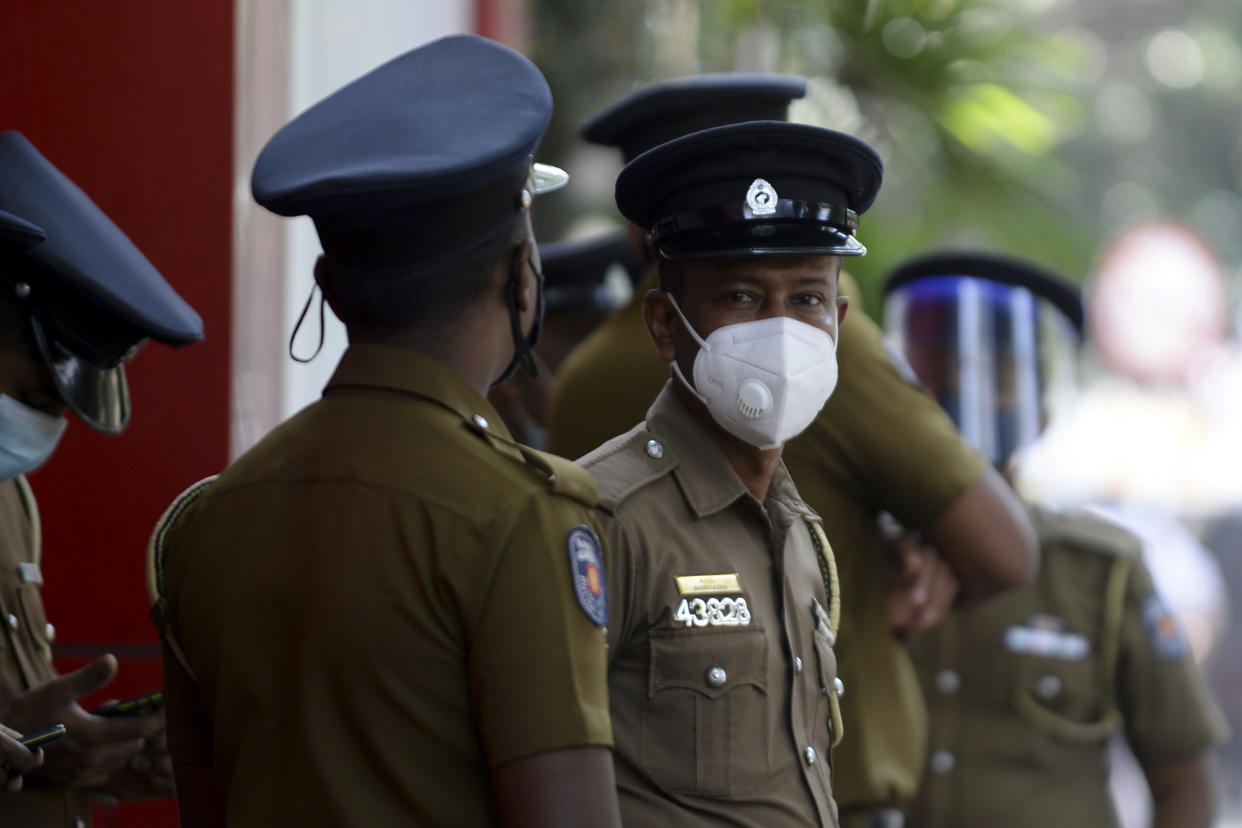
(15, 759)
(719, 292)
(1183, 793)
(554, 789)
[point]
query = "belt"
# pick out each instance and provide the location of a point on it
(873, 818)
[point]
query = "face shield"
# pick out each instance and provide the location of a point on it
(997, 357)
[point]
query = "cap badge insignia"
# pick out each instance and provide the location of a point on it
(761, 198)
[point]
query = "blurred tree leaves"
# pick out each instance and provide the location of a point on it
(981, 109)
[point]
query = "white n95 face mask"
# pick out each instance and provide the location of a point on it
(27, 437)
(763, 381)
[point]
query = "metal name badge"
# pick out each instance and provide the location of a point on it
(761, 198)
(1046, 642)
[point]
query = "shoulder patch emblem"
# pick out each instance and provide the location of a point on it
(1163, 630)
(586, 568)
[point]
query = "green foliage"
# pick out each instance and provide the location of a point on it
(983, 112)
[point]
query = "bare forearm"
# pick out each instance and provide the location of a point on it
(1183, 794)
(988, 539)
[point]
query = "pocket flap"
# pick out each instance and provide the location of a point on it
(709, 661)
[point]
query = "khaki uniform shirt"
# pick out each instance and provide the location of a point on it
(720, 660)
(378, 605)
(1025, 691)
(879, 444)
(27, 658)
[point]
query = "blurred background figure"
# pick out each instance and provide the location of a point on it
(584, 282)
(1025, 693)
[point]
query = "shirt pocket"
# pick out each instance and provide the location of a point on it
(705, 726)
(1063, 698)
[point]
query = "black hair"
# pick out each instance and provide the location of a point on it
(423, 295)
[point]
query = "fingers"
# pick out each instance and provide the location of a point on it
(15, 759)
(64, 690)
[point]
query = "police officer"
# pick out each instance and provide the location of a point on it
(73, 310)
(617, 358)
(1025, 692)
(725, 606)
(16, 237)
(872, 449)
(387, 612)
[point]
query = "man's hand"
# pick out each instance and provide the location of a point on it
(97, 752)
(921, 585)
(15, 759)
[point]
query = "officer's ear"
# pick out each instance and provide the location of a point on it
(661, 323)
(524, 272)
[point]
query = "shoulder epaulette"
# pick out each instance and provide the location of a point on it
(155, 565)
(1085, 530)
(627, 463)
(564, 477)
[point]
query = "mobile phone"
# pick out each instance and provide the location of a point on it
(44, 737)
(134, 706)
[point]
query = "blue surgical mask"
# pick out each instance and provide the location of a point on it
(27, 437)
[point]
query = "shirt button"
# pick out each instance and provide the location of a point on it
(480, 421)
(942, 761)
(12, 621)
(716, 677)
(1048, 687)
(810, 755)
(947, 681)
(51, 633)
(797, 664)
(838, 686)
(655, 449)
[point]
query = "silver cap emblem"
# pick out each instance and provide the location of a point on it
(761, 198)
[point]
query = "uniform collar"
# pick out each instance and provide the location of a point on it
(704, 475)
(403, 371)
(707, 481)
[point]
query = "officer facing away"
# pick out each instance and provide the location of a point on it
(1025, 692)
(73, 309)
(387, 612)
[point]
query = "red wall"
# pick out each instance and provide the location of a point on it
(134, 101)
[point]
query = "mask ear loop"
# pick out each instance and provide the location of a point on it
(702, 345)
(522, 344)
(302, 318)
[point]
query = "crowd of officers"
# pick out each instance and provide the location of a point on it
(785, 582)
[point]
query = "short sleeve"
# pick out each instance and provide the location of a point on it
(537, 660)
(622, 563)
(899, 450)
(187, 721)
(1168, 711)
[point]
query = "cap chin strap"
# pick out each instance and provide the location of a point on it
(523, 356)
(302, 318)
